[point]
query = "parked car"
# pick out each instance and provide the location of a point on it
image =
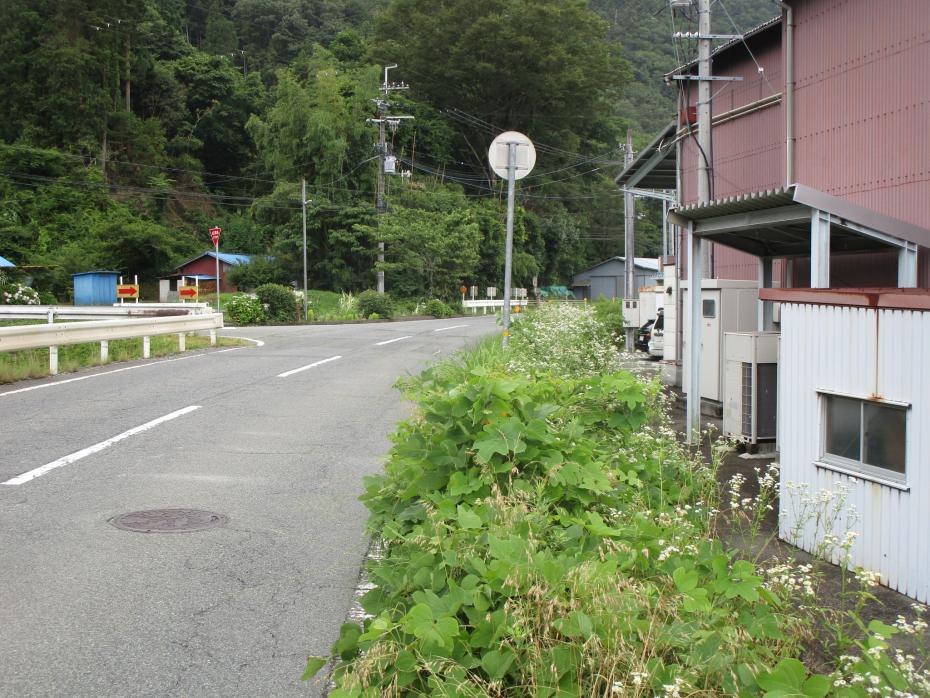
(657, 341)
(643, 335)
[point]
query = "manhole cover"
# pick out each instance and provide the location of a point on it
(168, 520)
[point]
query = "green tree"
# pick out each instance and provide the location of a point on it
(429, 251)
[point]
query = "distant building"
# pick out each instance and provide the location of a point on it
(203, 269)
(607, 279)
(6, 264)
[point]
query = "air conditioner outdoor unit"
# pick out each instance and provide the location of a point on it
(750, 386)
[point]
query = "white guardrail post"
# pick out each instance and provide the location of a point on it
(21, 337)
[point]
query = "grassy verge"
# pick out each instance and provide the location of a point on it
(33, 363)
(544, 533)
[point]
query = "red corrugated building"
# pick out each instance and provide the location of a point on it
(861, 123)
(820, 165)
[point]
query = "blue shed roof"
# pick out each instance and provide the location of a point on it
(101, 271)
(6, 263)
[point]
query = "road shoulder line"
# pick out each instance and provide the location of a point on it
(96, 448)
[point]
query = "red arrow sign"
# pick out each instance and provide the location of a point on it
(188, 291)
(124, 290)
(215, 235)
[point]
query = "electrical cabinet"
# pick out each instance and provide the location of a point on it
(631, 313)
(727, 305)
(750, 386)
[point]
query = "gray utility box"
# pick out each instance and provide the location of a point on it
(630, 313)
(750, 386)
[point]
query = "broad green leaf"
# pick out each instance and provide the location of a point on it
(496, 663)
(314, 664)
(467, 518)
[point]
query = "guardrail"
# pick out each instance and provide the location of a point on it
(52, 336)
(492, 303)
(51, 313)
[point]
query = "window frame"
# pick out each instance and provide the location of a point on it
(859, 468)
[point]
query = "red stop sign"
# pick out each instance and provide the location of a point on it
(215, 235)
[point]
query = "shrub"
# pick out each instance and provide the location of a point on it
(279, 302)
(568, 339)
(370, 302)
(47, 298)
(15, 293)
(610, 313)
(437, 308)
(244, 310)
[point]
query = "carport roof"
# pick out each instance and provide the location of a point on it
(655, 166)
(776, 223)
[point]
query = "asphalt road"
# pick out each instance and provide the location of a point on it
(87, 609)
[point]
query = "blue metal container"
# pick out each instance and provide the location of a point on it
(95, 287)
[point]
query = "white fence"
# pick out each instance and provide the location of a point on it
(51, 313)
(52, 336)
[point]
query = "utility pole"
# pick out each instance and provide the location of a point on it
(303, 204)
(383, 119)
(629, 241)
(696, 253)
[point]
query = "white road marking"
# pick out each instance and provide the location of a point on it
(223, 351)
(304, 368)
(104, 373)
(258, 342)
(96, 448)
(453, 327)
(391, 341)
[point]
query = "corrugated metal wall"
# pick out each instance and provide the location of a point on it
(748, 151)
(863, 103)
(861, 352)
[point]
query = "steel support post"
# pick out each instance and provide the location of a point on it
(104, 351)
(212, 338)
(508, 245)
(695, 277)
(182, 341)
(820, 249)
(146, 347)
(765, 281)
(53, 360)
(907, 266)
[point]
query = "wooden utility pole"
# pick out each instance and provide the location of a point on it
(696, 253)
(382, 120)
(629, 240)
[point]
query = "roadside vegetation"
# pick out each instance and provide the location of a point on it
(278, 304)
(539, 530)
(33, 363)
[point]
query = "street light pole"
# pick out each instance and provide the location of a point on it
(303, 204)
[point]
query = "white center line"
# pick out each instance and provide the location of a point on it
(391, 341)
(304, 368)
(453, 327)
(84, 452)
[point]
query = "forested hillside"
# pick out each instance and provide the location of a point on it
(128, 127)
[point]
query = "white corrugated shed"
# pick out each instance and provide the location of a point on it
(869, 353)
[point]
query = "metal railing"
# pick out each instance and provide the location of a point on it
(51, 313)
(20, 337)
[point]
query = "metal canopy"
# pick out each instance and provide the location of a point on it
(777, 223)
(655, 166)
